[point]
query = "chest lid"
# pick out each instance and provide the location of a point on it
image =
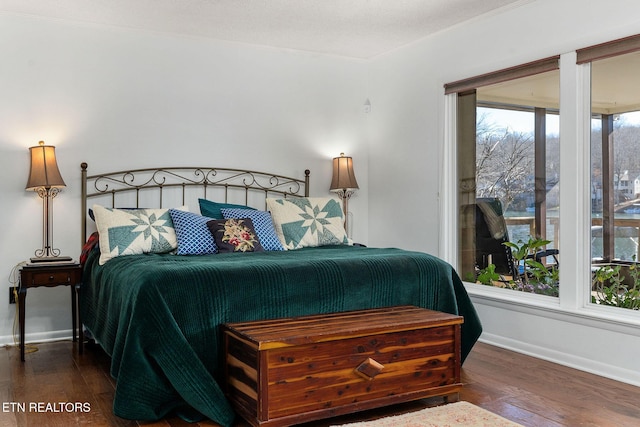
(276, 333)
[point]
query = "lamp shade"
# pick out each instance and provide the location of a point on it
(44, 170)
(343, 176)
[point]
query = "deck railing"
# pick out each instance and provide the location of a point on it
(596, 228)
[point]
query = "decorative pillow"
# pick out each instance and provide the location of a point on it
(235, 235)
(308, 221)
(194, 237)
(134, 231)
(212, 209)
(263, 224)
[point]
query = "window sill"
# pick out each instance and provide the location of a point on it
(609, 318)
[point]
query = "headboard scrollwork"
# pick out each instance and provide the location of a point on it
(175, 186)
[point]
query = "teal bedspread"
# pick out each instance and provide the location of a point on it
(158, 316)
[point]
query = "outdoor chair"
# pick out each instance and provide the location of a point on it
(491, 236)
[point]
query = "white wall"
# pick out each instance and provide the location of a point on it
(408, 96)
(119, 98)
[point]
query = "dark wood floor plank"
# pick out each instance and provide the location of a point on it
(521, 388)
(561, 395)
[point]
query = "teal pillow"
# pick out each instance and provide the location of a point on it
(212, 209)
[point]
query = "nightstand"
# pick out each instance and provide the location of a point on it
(50, 275)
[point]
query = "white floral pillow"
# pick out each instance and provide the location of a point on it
(308, 221)
(134, 231)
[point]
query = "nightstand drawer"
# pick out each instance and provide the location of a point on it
(46, 278)
(51, 275)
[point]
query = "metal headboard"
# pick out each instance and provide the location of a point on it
(180, 185)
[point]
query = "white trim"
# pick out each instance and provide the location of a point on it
(38, 337)
(544, 330)
(448, 243)
(575, 207)
(628, 376)
(606, 318)
(583, 137)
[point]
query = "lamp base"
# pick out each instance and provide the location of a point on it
(51, 259)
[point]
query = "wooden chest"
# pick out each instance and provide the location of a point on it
(288, 371)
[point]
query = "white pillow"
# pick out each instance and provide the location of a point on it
(308, 221)
(134, 231)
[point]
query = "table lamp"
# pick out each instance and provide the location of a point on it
(344, 181)
(45, 179)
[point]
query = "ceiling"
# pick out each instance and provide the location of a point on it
(615, 84)
(351, 28)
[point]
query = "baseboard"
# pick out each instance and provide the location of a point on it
(38, 337)
(597, 368)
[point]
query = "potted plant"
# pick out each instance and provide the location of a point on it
(616, 284)
(534, 276)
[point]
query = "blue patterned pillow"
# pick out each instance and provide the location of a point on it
(262, 223)
(193, 235)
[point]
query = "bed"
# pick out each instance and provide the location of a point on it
(157, 314)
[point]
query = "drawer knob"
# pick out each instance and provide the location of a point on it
(369, 369)
(51, 278)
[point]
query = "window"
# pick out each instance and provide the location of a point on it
(615, 180)
(505, 168)
(507, 142)
(508, 177)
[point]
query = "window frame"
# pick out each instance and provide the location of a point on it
(584, 57)
(573, 303)
(465, 182)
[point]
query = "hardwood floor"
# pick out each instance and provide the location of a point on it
(526, 390)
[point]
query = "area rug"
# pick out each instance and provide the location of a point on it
(456, 414)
